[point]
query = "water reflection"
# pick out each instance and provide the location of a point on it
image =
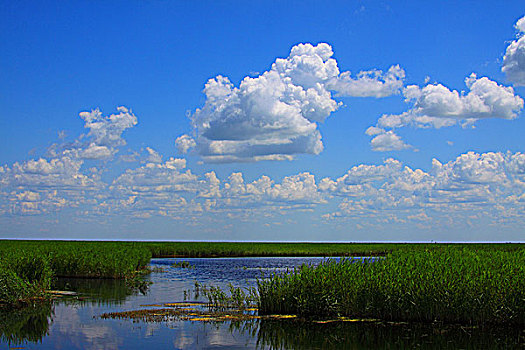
(30, 323)
(98, 291)
(286, 334)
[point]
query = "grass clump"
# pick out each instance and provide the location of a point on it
(454, 285)
(183, 265)
(23, 276)
(14, 289)
(236, 297)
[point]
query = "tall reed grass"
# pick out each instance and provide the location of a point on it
(23, 275)
(27, 268)
(450, 285)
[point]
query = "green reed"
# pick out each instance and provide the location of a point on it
(27, 268)
(461, 285)
(23, 275)
(237, 298)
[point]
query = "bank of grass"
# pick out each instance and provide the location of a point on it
(27, 268)
(233, 249)
(265, 249)
(454, 284)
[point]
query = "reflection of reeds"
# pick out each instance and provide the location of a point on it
(297, 334)
(97, 291)
(30, 323)
(450, 285)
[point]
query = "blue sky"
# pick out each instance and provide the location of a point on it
(284, 120)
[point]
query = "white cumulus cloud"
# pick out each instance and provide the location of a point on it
(184, 143)
(153, 156)
(275, 115)
(436, 106)
(474, 185)
(105, 133)
(514, 59)
(384, 141)
(372, 83)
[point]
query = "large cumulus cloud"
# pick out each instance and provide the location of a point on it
(275, 116)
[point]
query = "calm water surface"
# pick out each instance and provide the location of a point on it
(73, 323)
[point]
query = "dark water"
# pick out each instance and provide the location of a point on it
(73, 322)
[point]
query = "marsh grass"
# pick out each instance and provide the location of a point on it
(23, 276)
(237, 298)
(297, 249)
(448, 285)
(473, 283)
(27, 268)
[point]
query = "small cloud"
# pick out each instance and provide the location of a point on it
(388, 141)
(450, 143)
(372, 83)
(94, 151)
(184, 143)
(130, 158)
(105, 133)
(436, 106)
(153, 156)
(374, 130)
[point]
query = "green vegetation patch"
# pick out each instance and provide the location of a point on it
(27, 268)
(23, 276)
(453, 285)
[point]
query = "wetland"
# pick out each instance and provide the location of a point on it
(171, 306)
